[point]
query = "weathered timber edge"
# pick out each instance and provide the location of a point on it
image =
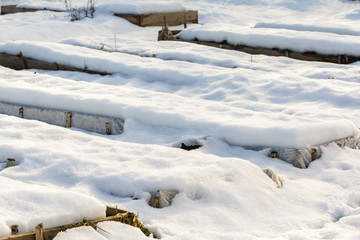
(8, 9)
(20, 62)
(305, 56)
(157, 19)
(112, 214)
(65, 118)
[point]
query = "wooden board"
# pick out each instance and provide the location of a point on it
(157, 19)
(19, 62)
(306, 56)
(8, 9)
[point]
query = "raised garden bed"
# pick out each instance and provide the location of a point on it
(112, 214)
(143, 20)
(20, 62)
(306, 56)
(157, 19)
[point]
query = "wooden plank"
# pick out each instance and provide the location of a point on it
(8, 9)
(306, 56)
(135, 19)
(172, 19)
(52, 232)
(19, 63)
(157, 19)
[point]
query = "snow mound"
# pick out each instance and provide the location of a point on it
(341, 30)
(283, 39)
(27, 205)
(114, 231)
(114, 6)
(290, 136)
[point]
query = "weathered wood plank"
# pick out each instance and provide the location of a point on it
(19, 62)
(135, 19)
(306, 56)
(157, 19)
(8, 9)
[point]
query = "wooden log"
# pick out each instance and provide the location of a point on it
(20, 62)
(8, 9)
(157, 19)
(305, 56)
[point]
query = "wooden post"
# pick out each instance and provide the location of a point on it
(156, 202)
(39, 232)
(10, 162)
(273, 154)
(313, 154)
(107, 128)
(14, 229)
(21, 112)
(68, 120)
(23, 60)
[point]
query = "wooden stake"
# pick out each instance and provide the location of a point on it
(14, 229)
(273, 154)
(68, 120)
(107, 128)
(39, 232)
(21, 112)
(23, 60)
(156, 202)
(313, 154)
(10, 162)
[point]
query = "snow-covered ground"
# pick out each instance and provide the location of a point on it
(169, 93)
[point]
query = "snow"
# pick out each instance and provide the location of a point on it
(113, 6)
(27, 205)
(113, 230)
(283, 39)
(174, 92)
(341, 30)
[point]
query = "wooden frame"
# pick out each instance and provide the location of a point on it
(143, 20)
(157, 19)
(306, 56)
(20, 62)
(8, 9)
(112, 214)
